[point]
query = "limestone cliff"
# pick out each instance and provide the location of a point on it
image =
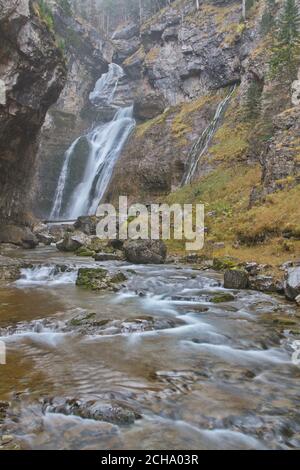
(32, 74)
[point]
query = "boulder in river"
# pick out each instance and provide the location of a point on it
(145, 251)
(292, 283)
(87, 224)
(265, 284)
(72, 241)
(99, 279)
(236, 279)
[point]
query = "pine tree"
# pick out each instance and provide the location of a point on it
(286, 48)
(252, 106)
(268, 19)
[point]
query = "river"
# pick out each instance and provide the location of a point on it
(199, 375)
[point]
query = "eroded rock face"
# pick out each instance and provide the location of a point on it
(32, 74)
(280, 160)
(145, 251)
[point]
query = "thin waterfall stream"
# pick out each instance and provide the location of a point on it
(202, 143)
(105, 143)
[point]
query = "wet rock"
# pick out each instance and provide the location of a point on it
(72, 241)
(265, 284)
(45, 238)
(149, 106)
(226, 297)
(10, 269)
(94, 324)
(107, 257)
(236, 279)
(297, 299)
(292, 283)
(145, 251)
(58, 231)
(99, 279)
(96, 410)
(87, 224)
(18, 235)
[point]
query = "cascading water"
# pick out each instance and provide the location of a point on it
(202, 143)
(105, 144)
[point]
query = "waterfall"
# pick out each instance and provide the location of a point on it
(106, 86)
(202, 143)
(105, 143)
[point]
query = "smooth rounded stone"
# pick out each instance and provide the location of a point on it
(72, 241)
(145, 251)
(297, 299)
(236, 279)
(107, 257)
(96, 410)
(99, 279)
(18, 235)
(9, 268)
(292, 283)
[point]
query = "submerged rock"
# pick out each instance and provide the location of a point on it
(145, 251)
(236, 279)
(226, 297)
(99, 279)
(96, 410)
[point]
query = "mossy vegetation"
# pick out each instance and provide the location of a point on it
(45, 13)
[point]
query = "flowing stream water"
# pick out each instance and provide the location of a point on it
(200, 375)
(105, 143)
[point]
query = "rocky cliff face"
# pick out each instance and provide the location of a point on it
(32, 74)
(185, 56)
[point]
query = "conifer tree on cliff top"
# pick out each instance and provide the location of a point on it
(285, 57)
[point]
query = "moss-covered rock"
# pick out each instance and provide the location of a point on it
(226, 297)
(99, 279)
(220, 264)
